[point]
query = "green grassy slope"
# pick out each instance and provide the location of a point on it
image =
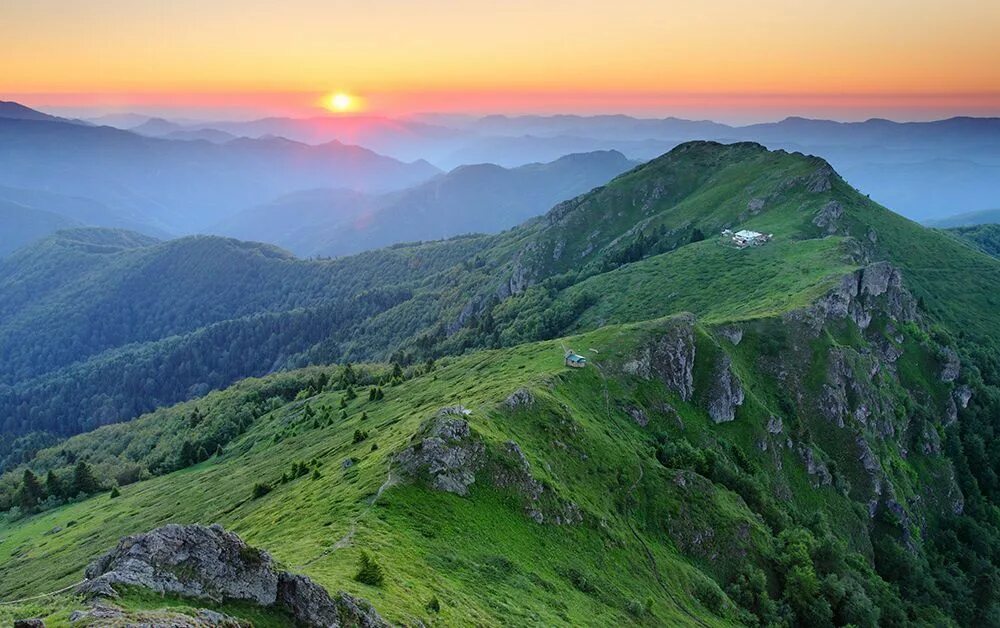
(661, 534)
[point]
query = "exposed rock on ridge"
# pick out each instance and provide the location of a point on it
(446, 455)
(209, 563)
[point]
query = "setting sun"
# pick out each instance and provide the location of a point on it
(339, 102)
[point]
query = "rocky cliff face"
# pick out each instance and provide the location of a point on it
(877, 287)
(209, 563)
(670, 358)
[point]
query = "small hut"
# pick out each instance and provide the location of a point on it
(576, 361)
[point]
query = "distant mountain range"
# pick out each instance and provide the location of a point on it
(482, 198)
(925, 170)
(182, 186)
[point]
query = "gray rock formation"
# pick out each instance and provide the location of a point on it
(963, 395)
(209, 563)
(828, 217)
(951, 366)
(670, 358)
(732, 333)
(814, 466)
(520, 398)
(774, 425)
(312, 605)
(444, 453)
(638, 415)
(725, 394)
(192, 561)
(875, 288)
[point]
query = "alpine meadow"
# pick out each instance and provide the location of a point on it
(563, 320)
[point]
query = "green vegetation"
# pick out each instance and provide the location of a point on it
(986, 238)
(852, 487)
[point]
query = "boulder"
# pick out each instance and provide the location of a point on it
(209, 563)
(190, 561)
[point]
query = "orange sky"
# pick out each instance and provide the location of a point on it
(517, 55)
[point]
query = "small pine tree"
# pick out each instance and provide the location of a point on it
(218, 451)
(369, 571)
(114, 492)
(84, 481)
(360, 435)
(31, 491)
(53, 485)
(397, 371)
(348, 377)
(371, 394)
(261, 489)
(350, 394)
(316, 474)
(343, 415)
(343, 402)
(374, 446)
(364, 416)
(201, 454)
(187, 454)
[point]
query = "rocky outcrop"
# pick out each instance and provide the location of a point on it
(312, 605)
(520, 398)
(209, 563)
(191, 561)
(444, 453)
(821, 180)
(670, 359)
(774, 425)
(814, 466)
(963, 395)
(875, 288)
(725, 393)
(638, 415)
(828, 217)
(951, 366)
(732, 333)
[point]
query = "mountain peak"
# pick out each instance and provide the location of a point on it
(16, 111)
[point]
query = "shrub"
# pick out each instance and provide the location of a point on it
(261, 489)
(360, 435)
(114, 492)
(434, 605)
(369, 571)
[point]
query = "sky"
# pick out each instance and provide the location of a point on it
(731, 60)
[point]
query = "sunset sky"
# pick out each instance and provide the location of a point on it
(725, 59)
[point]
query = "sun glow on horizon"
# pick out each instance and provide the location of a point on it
(341, 102)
